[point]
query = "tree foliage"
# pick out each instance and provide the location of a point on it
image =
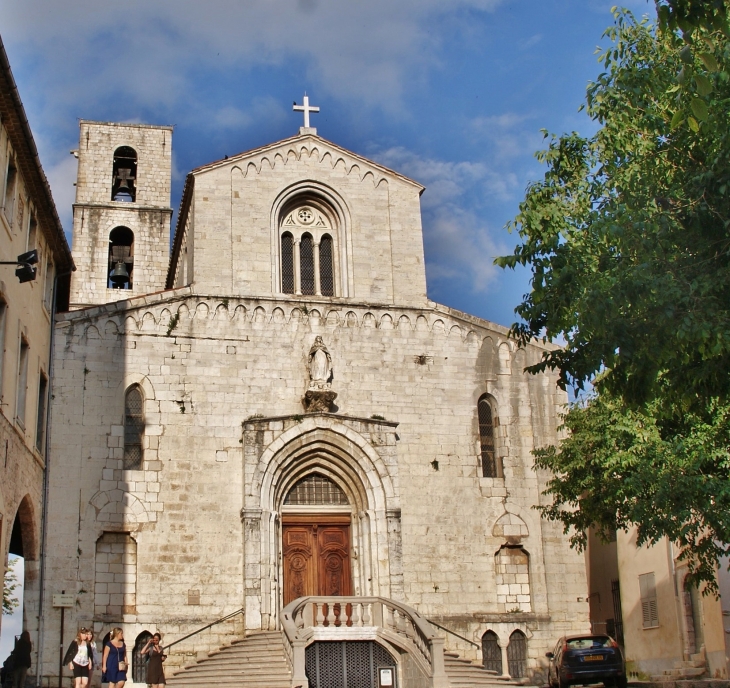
(627, 237)
(627, 234)
(618, 467)
(10, 583)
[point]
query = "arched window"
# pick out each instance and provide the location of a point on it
(316, 489)
(121, 258)
(491, 652)
(491, 464)
(326, 268)
(287, 263)
(133, 428)
(517, 654)
(306, 261)
(308, 244)
(512, 568)
(124, 175)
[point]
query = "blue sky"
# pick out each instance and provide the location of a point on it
(450, 92)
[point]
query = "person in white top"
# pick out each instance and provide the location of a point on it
(79, 657)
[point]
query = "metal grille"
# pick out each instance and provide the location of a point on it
(618, 618)
(490, 468)
(287, 263)
(517, 655)
(306, 260)
(346, 664)
(491, 652)
(139, 661)
(316, 489)
(133, 429)
(326, 271)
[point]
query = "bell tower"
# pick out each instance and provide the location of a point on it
(122, 213)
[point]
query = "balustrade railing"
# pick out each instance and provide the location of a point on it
(331, 618)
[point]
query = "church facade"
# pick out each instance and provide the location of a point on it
(276, 410)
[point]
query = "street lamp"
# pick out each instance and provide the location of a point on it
(25, 270)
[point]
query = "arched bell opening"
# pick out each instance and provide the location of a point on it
(121, 258)
(124, 175)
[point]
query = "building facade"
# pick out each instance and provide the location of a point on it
(28, 221)
(284, 413)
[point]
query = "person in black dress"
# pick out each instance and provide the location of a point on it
(156, 655)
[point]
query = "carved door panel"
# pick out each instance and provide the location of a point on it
(333, 550)
(316, 557)
(299, 562)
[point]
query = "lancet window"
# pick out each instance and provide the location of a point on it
(307, 252)
(124, 175)
(133, 428)
(491, 463)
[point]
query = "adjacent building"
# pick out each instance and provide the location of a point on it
(28, 220)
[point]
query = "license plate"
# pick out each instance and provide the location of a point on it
(593, 658)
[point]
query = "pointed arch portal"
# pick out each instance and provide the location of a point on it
(321, 514)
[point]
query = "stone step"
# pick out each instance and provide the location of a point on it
(464, 673)
(256, 661)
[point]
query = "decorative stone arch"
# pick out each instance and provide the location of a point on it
(25, 517)
(321, 444)
(523, 521)
(117, 510)
(331, 204)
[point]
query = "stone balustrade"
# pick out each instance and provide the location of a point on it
(310, 619)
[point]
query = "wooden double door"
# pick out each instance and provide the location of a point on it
(316, 554)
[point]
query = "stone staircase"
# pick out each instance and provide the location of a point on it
(463, 673)
(695, 668)
(256, 661)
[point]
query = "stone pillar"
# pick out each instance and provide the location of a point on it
(505, 661)
(395, 552)
(297, 266)
(251, 519)
(317, 280)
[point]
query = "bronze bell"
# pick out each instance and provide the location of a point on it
(119, 274)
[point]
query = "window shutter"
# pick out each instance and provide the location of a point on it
(649, 607)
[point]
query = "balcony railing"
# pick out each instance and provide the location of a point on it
(309, 619)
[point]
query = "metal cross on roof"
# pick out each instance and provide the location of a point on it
(306, 108)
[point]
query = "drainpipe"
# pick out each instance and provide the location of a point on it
(46, 457)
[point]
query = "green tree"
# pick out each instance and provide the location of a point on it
(618, 467)
(627, 234)
(628, 241)
(10, 583)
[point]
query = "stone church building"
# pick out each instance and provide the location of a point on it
(272, 421)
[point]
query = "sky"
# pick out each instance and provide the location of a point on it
(452, 93)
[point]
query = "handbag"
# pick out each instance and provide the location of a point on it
(122, 664)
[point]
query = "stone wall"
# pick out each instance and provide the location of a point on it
(210, 368)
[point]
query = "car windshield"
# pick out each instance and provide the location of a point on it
(591, 643)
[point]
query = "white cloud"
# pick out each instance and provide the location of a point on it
(148, 49)
(459, 242)
(61, 176)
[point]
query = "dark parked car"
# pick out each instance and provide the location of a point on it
(585, 659)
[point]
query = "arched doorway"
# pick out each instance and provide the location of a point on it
(316, 523)
(139, 661)
(23, 561)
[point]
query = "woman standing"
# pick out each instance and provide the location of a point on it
(95, 656)
(114, 660)
(22, 651)
(79, 658)
(155, 673)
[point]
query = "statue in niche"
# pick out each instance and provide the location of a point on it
(320, 365)
(319, 395)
